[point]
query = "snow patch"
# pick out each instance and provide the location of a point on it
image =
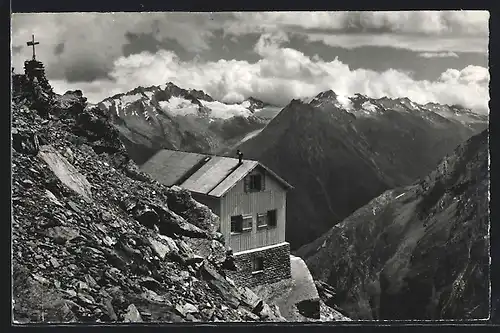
(399, 196)
(369, 106)
(179, 106)
(415, 106)
(149, 94)
(107, 104)
(127, 99)
(226, 111)
(145, 113)
(245, 104)
(345, 102)
(251, 135)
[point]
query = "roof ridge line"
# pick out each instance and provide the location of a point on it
(193, 169)
(233, 169)
(205, 154)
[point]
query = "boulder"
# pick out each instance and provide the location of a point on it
(150, 283)
(132, 315)
(221, 285)
(153, 297)
(66, 172)
(53, 198)
(247, 315)
(250, 299)
(171, 243)
(164, 247)
(25, 142)
(171, 223)
(190, 308)
(180, 201)
(62, 234)
(159, 216)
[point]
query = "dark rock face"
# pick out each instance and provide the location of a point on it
(309, 308)
(338, 157)
(256, 104)
(145, 126)
(416, 252)
(94, 239)
(326, 293)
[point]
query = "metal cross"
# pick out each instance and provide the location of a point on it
(33, 43)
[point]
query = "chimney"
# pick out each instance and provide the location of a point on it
(240, 156)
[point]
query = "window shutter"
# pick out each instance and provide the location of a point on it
(247, 222)
(246, 181)
(261, 220)
(263, 181)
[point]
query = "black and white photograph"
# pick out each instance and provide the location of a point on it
(272, 166)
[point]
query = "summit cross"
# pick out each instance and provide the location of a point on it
(33, 43)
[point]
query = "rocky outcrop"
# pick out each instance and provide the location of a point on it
(297, 297)
(94, 239)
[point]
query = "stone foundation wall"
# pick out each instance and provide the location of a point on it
(276, 260)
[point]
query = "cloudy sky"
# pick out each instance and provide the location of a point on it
(439, 56)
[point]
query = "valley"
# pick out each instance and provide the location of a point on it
(427, 242)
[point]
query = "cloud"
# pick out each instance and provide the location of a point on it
(97, 39)
(83, 47)
(438, 55)
(283, 74)
(459, 31)
(418, 43)
(59, 49)
(459, 23)
(269, 43)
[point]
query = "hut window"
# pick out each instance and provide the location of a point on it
(271, 218)
(236, 224)
(261, 220)
(255, 182)
(257, 265)
(240, 223)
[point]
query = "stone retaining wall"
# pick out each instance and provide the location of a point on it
(276, 265)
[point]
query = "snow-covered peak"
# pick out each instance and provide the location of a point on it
(175, 101)
(345, 102)
(307, 100)
(327, 95)
(254, 104)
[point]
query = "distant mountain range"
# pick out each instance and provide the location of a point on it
(415, 252)
(340, 152)
(168, 116)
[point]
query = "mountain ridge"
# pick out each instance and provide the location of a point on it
(167, 116)
(339, 153)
